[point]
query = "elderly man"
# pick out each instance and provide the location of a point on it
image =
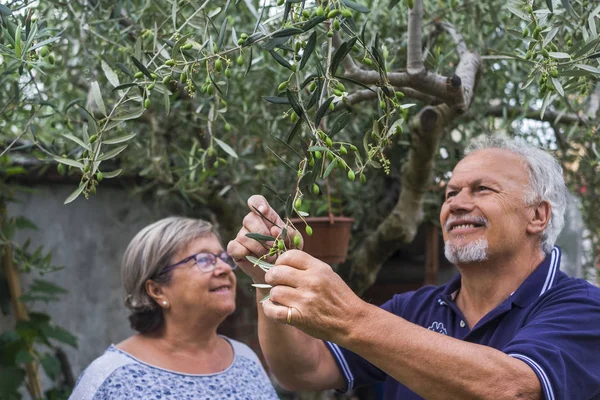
(511, 325)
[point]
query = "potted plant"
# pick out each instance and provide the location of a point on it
(330, 233)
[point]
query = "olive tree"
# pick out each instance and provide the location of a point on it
(320, 105)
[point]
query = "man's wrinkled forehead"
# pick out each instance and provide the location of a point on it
(493, 162)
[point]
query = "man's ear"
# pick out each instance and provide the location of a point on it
(540, 218)
(155, 291)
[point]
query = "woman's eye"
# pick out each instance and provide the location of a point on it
(203, 260)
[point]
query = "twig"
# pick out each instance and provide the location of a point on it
(20, 134)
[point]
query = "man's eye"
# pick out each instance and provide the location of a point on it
(450, 194)
(482, 188)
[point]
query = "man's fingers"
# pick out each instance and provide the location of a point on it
(297, 259)
(284, 275)
(280, 313)
(255, 224)
(252, 246)
(259, 205)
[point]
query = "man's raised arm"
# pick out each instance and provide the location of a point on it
(297, 360)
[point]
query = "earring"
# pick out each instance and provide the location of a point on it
(164, 302)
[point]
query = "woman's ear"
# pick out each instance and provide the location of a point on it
(540, 218)
(155, 291)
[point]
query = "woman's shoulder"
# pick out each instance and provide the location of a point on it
(94, 376)
(242, 350)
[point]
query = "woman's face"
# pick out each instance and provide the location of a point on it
(191, 291)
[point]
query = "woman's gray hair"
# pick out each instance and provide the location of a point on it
(150, 251)
(546, 182)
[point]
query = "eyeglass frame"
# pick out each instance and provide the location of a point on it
(194, 257)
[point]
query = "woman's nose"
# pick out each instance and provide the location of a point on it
(221, 267)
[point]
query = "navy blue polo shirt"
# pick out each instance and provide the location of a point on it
(551, 322)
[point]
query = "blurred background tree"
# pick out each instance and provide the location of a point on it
(206, 102)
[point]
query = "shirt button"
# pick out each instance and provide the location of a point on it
(462, 323)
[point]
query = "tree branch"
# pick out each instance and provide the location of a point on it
(456, 91)
(459, 41)
(364, 95)
(414, 63)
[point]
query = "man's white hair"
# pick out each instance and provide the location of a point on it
(546, 182)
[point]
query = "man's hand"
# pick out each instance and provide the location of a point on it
(269, 223)
(322, 304)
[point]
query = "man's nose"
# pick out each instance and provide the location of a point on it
(462, 201)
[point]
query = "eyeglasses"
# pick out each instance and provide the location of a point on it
(206, 261)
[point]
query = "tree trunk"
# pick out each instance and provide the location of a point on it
(34, 385)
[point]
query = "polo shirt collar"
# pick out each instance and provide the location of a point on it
(536, 284)
(540, 281)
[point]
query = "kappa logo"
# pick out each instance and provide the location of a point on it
(438, 327)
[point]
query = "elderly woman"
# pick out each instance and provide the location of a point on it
(180, 287)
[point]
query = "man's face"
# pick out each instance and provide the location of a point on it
(485, 212)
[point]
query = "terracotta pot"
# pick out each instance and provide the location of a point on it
(329, 242)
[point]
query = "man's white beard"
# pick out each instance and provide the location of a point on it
(467, 253)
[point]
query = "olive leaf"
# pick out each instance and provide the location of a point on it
(110, 74)
(112, 174)
(356, 6)
(97, 95)
(287, 32)
(280, 60)
(311, 23)
(141, 67)
(226, 147)
(68, 161)
(323, 110)
(249, 62)
(113, 153)
(75, 194)
(77, 140)
(131, 114)
(330, 168)
(222, 33)
(253, 38)
(340, 122)
(310, 46)
(262, 285)
(392, 4)
(119, 139)
(260, 237)
(5, 10)
(340, 53)
(125, 86)
(294, 131)
(277, 100)
(294, 103)
(265, 266)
